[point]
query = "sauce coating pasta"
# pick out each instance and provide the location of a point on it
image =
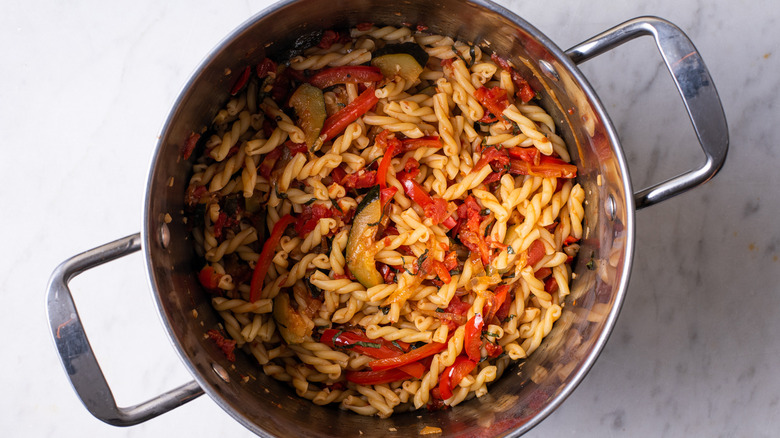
(386, 221)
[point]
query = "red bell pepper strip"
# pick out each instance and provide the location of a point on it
(351, 74)
(453, 374)
(548, 167)
(376, 348)
(407, 358)
(384, 164)
(337, 123)
(266, 255)
(241, 81)
(529, 155)
(472, 342)
(410, 144)
(375, 377)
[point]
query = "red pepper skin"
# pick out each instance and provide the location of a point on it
(337, 123)
(241, 81)
(267, 254)
(387, 194)
(352, 74)
(499, 297)
(434, 208)
(410, 144)
(529, 155)
(384, 165)
(375, 377)
(548, 167)
(407, 358)
(348, 339)
(310, 217)
(492, 155)
(472, 342)
(453, 374)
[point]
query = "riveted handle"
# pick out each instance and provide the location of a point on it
(695, 86)
(76, 354)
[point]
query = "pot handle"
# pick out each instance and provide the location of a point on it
(695, 86)
(76, 353)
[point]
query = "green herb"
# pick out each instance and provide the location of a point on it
(491, 334)
(484, 212)
(368, 344)
(510, 250)
(455, 272)
(439, 310)
(310, 201)
(421, 259)
(397, 345)
(592, 263)
(280, 195)
(509, 318)
(385, 310)
(337, 206)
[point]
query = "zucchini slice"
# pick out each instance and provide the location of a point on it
(400, 64)
(309, 105)
(361, 248)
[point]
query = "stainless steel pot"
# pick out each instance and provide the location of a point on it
(525, 395)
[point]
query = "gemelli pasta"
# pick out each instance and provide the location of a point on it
(386, 221)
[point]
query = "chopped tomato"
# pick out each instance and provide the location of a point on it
(551, 285)
(497, 300)
(209, 278)
(266, 67)
(375, 377)
(472, 342)
(266, 255)
(269, 161)
(330, 37)
(361, 179)
(529, 155)
(189, 145)
(337, 123)
(407, 358)
(310, 217)
(366, 25)
(548, 167)
(535, 252)
(492, 156)
(457, 306)
(524, 90)
(493, 99)
(493, 350)
(388, 275)
(569, 240)
(453, 374)
(433, 266)
(352, 74)
(386, 194)
(434, 208)
(226, 345)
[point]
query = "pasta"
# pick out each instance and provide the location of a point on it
(390, 236)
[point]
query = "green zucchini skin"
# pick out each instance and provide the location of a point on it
(360, 252)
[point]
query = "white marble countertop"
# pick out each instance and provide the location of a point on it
(86, 85)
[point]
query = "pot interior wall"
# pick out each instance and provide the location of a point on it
(526, 393)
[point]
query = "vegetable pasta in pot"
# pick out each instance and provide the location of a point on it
(386, 221)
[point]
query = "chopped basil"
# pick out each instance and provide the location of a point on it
(421, 259)
(491, 334)
(510, 250)
(592, 263)
(385, 310)
(484, 212)
(439, 310)
(368, 344)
